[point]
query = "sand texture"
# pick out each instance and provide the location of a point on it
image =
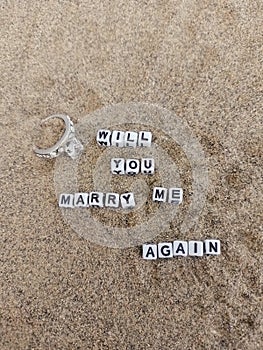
(200, 60)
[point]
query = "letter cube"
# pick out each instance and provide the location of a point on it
(81, 199)
(118, 166)
(104, 137)
(96, 199)
(195, 248)
(165, 250)
(117, 138)
(212, 246)
(66, 200)
(127, 200)
(131, 138)
(132, 166)
(175, 195)
(147, 166)
(145, 139)
(112, 200)
(159, 194)
(149, 251)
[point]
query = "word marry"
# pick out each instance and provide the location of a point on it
(97, 199)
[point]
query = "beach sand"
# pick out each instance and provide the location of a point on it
(200, 60)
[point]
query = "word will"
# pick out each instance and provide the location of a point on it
(181, 248)
(120, 166)
(124, 138)
(97, 199)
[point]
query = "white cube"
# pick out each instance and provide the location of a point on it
(104, 137)
(145, 139)
(131, 138)
(159, 194)
(96, 199)
(117, 138)
(165, 250)
(132, 166)
(175, 195)
(81, 199)
(147, 166)
(212, 247)
(112, 200)
(117, 166)
(66, 200)
(127, 200)
(149, 251)
(195, 248)
(180, 248)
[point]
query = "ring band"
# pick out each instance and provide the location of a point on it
(68, 142)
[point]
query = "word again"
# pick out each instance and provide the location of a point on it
(124, 138)
(97, 199)
(172, 195)
(181, 248)
(121, 166)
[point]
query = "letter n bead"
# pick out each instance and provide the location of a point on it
(149, 251)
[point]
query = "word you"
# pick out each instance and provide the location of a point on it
(97, 199)
(171, 195)
(181, 248)
(124, 138)
(120, 166)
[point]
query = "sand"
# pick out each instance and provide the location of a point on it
(201, 60)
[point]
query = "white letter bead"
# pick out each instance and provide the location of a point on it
(145, 139)
(149, 251)
(66, 200)
(147, 166)
(112, 200)
(195, 248)
(131, 138)
(132, 166)
(180, 248)
(212, 247)
(175, 195)
(96, 199)
(104, 137)
(81, 199)
(165, 250)
(117, 138)
(127, 200)
(117, 166)
(159, 194)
